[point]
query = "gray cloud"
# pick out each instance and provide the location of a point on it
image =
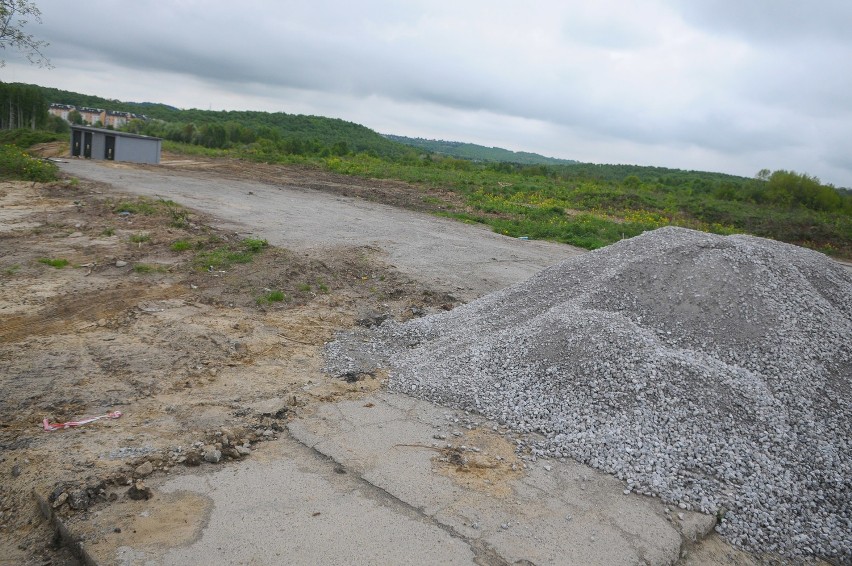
(773, 21)
(729, 84)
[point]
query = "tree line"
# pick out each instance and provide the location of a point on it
(266, 136)
(22, 106)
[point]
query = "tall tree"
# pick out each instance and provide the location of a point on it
(22, 106)
(14, 16)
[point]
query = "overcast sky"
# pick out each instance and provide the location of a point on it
(720, 85)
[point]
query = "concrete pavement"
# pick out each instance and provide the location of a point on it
(388, 479)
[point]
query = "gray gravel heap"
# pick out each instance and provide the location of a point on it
(714, 372)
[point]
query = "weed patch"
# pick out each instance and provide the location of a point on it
(148, 268)
(141, 206)
(11, 270)
(254, 245)
(58, 263)
(226, 256)
(181, 245)
(140, 238)
(16, 164)
(272, 297)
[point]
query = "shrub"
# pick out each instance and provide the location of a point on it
(16, 164)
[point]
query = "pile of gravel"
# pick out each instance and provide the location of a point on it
(714, 372)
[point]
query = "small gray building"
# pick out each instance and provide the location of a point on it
(98, 143)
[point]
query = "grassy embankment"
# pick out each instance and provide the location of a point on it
(591, 206)
(17, 164)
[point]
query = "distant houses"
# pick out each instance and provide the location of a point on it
(95, 116)
(60, 110)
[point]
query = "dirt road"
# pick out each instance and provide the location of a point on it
(211, 347)
(465, 260)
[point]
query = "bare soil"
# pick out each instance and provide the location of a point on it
(195, 357)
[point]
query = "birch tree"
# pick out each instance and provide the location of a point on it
(14, 16)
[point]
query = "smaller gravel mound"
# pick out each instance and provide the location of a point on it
(713, 372)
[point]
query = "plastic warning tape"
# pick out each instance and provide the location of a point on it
(86, 420)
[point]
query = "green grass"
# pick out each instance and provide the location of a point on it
(25, 137)
(17, 164)
(222, 258)
(11, 270)
(140, 238)
(307, 287)
(225, 256)
(181, 245)
(254, 245)
(58, 263)
(590, 206)
(159, 207)
(272, 297)
(141, 206)
(144, 268)
(109, 231)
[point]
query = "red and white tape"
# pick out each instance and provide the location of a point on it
(86, 420)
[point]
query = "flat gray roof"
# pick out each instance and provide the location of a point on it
(112, 132)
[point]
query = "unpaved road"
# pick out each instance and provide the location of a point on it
(466, 260)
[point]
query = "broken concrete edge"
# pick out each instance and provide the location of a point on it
(690, 540)
(74, 544)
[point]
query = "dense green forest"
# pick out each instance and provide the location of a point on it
(475, 152)
(584, 204)
(22, 106)
(271, 132)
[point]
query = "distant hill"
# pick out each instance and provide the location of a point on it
(77, 99)
(301, 130)
(475, 152)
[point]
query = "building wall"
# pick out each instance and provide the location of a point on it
(93, 117)
(127, 148)
(137, 150)
(98, 146)
(116, 120)
(61, 112)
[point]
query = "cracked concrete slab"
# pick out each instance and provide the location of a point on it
(287, 505)
(388, 479)
(547, 512)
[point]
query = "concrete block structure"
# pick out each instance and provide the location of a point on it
(98, 143)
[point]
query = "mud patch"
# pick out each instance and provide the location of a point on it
(480, 460)
(168, 520)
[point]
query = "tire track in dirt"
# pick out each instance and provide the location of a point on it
(65, 312)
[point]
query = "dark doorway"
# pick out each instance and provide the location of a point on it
(109, 149)
(87, 145)
(76, 142)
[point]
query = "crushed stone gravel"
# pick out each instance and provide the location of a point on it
(713, 372)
